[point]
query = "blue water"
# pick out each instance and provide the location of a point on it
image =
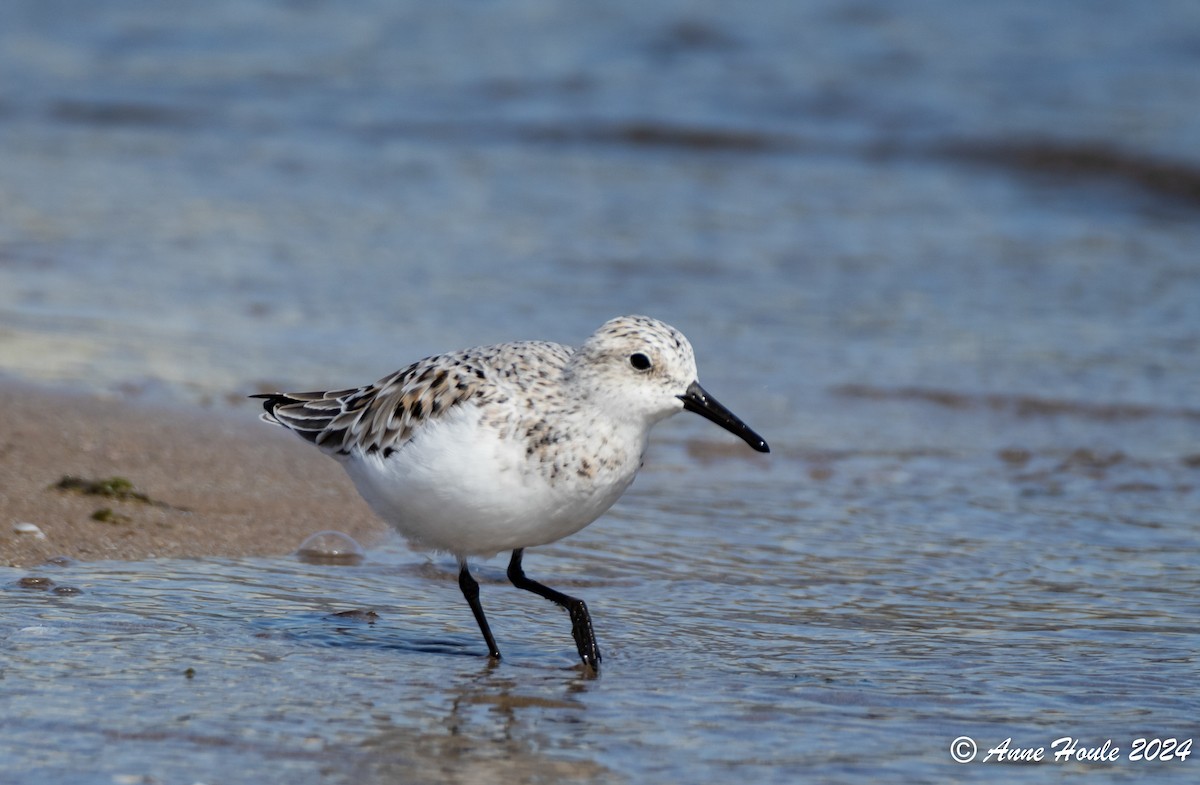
(941, 255)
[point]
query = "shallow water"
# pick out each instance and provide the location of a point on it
(845, 629)
(941, 255)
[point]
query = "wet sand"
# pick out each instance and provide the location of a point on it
(214, 484)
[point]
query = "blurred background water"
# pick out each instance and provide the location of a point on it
(942, 255)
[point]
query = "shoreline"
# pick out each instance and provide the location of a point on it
(203, 483)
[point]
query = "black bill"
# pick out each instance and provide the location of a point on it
(698, 401)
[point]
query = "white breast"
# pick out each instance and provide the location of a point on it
(460, 487)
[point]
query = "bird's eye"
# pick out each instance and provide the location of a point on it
(639, 361)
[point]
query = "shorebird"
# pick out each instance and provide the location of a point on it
(506, 447)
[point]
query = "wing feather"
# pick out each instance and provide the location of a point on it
(382, 416)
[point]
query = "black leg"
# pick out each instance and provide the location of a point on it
(581, 621)
(470, 590)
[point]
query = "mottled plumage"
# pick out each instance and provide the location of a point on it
(509, 446)
(382, 417)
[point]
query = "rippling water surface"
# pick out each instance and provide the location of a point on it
(839, 630)
(941, 255)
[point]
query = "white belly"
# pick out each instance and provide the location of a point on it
(459, 487)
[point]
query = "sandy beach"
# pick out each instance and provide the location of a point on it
(203, 483)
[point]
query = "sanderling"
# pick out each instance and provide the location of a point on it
(501, 448)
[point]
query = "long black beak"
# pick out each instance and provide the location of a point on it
(698, 401)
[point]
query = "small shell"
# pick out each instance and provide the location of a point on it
(28, 528)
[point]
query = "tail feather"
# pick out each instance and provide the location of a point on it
(308, 415)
